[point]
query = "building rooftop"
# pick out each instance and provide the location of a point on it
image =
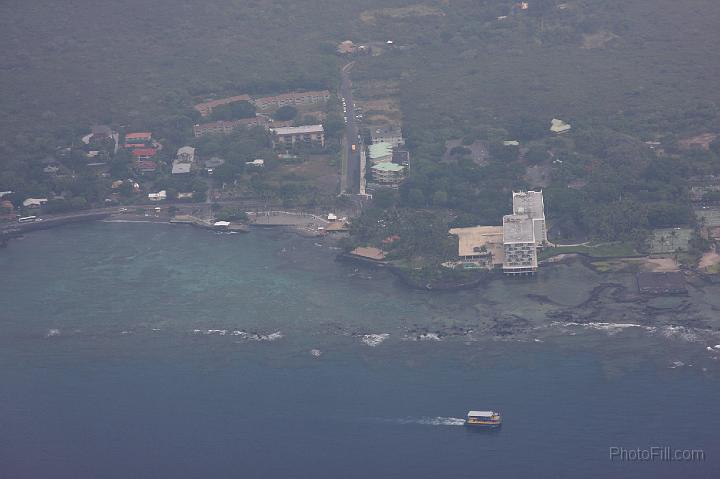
(101, 130)
(386, 131)
(214, 162)
(388, 167)
(369, 252)
(471, 239)
(144, 152)
(529, 203)
(186, 150)
(559, 126)
(518, 229)
(138, 136)
(207, 106)
(378, 150)
(179, 168)
(298, 130)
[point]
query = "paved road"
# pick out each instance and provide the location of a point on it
(351, 132)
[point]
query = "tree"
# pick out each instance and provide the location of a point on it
(439, 198)
(416, 198)
(384, 199)
(537, 155)
(233, 111)
(285, 113)
(666, 214)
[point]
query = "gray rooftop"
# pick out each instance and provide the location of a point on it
(298, 130)
(518, 229)
(529, 203)
(179, 168)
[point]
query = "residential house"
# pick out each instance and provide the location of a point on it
(559, 126)
(347, 48)
(100, 133)
(34, 202)
(213, 163)
(144, 153)
(145, 166)
(392, 135)
(206, 108)
(292, 135)
(159, 196)
(138, 140)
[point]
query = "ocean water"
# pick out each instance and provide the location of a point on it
(152, 351)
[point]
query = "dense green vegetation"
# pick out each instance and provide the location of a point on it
(622, 73)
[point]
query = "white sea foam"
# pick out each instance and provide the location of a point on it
(219, 332)
(677, 364)
(373, 340)
(430, 337)
(610, 328)
(680, 332)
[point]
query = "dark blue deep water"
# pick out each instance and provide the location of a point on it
(102, 376)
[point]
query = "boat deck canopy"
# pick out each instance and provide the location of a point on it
(480, 413)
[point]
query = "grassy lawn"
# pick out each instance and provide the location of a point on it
(604, 250)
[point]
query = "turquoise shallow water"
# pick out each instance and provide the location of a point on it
(108, 369)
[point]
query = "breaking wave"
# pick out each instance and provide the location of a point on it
(240, 334)
(373, 340)
(610, 328)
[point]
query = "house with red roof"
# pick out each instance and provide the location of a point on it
(137, 140)
(144, 153)
(145, 166)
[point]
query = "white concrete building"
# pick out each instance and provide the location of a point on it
(181, 168)
(531, 204)
(519, 245)
(159, 196)
(291, 135)
(186, 154)
(392, 135)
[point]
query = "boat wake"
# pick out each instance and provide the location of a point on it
(432, 421)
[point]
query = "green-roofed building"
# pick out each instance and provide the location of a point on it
(388, 173)
(380, 153)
